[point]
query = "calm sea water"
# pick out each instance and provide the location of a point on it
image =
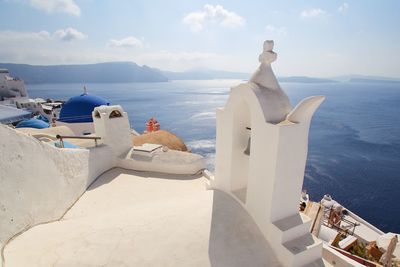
(354, 149)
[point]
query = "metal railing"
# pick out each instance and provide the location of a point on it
(62, 137)
(329, 221)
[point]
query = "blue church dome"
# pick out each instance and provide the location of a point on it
(32, 123)
(79, 108)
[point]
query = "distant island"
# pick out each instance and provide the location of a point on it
(364, 80)
(304, 79)
(126, 72)
(110, 72)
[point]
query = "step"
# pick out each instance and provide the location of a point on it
(292, 227)
(304, 250)
(210, 183)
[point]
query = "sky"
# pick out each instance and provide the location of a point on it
(312, 38)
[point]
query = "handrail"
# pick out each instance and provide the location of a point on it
(61, 137)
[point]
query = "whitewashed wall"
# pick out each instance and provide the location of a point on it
(39, 182)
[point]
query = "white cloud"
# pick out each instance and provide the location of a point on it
(51, 6)
(343, 8)
(42, 47)
(22, 36)
(276, 30)
(312, 13)
(69, 34)
(127, 42)
(46, 48)
(213, 14)
(29, 47)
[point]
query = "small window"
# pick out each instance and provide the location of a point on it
(115, 114)
(96, 114)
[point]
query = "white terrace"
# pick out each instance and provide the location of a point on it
(129, 218)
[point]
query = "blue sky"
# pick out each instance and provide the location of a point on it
(314, 38)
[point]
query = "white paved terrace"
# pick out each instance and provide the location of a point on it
(130, 218)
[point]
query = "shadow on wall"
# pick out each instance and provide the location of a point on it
(235, 239)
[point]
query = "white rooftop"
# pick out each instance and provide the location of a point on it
(10, 114)
(129, 218)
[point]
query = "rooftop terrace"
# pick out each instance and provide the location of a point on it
(129, 218)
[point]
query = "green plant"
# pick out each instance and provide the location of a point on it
(359, 250)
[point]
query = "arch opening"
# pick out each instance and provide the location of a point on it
(241, 150)
(115, 114)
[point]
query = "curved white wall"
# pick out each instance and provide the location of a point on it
(172, 162)
(39, 182)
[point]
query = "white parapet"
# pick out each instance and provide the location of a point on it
(162, 160)
(261, 151)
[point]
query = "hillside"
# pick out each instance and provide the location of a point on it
(110, 72)
(126, 72)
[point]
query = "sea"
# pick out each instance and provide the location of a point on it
(354, 141)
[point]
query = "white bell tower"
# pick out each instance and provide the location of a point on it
(261, 152)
